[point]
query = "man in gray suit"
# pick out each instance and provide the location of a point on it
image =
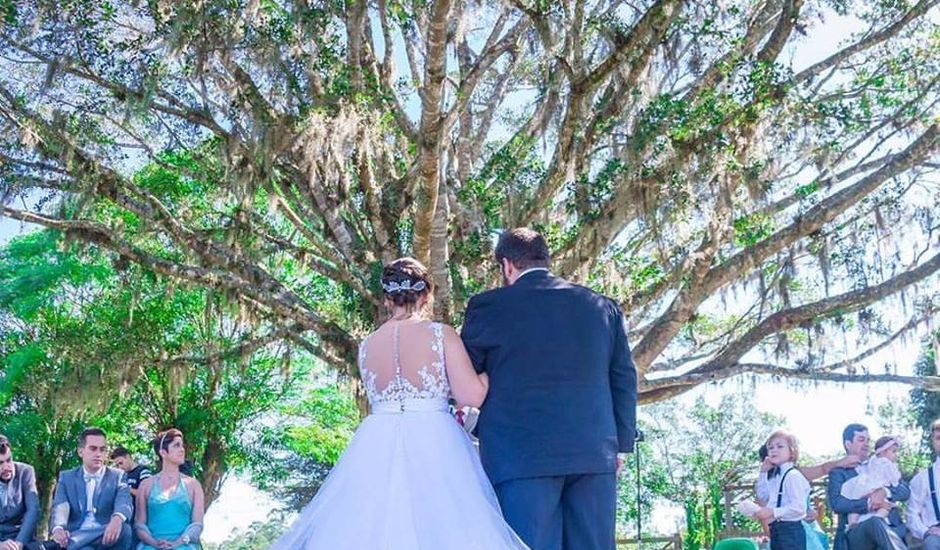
(92, 504)
(19, 500)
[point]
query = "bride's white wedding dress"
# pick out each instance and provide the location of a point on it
(410, 479)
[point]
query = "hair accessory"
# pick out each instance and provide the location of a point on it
(891, 442)
(393, 286)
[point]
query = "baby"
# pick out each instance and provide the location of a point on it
(879, 472)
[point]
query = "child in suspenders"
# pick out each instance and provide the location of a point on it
(788, 492)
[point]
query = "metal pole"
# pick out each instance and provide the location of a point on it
(639, 509)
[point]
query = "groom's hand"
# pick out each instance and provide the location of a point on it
(113, 531)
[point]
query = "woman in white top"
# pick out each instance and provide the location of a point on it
(788, 494)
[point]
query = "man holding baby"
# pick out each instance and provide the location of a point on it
(868, 516)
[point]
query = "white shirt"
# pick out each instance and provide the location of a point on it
(920, 514)
(795, 494)
(530, 270)
(92, 482)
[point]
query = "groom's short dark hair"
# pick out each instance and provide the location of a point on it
(523, 247)
(848, 434)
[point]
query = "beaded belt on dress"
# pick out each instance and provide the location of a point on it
(410, 405)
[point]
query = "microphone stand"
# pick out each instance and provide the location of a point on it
(640, 437)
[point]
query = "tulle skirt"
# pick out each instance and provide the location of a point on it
(407, 481)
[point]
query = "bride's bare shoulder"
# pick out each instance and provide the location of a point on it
(450, 333)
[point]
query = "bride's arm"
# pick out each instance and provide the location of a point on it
(468, 387)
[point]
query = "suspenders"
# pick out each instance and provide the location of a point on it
(933, 493)
(785, 474)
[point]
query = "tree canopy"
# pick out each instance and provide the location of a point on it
(83, 344)
(754, 206)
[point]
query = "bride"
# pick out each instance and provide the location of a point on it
(410, 479)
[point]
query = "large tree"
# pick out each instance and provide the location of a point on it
(742, 196)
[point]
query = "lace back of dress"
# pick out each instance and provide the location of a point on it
(389, 380)
(396, 354)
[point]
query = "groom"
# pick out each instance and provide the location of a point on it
(562, 398)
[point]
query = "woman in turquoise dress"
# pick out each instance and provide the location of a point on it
(170, 505)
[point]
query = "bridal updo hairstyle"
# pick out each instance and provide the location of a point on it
(405, 281)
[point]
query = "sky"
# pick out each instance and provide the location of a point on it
(815, 412)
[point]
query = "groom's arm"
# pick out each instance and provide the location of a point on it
(623, 383)
(472, 335)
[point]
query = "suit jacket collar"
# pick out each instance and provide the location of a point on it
(534, 276)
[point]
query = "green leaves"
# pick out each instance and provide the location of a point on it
(17, 365)
(696, 450)
(81, 342)
(331, 417)
(8, 12)
(750, 230)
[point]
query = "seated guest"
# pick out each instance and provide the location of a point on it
(134, 473)
(170, 505)
(881, 471)
(92, 502)
(873, 533)
(19, 500)
(923, 510)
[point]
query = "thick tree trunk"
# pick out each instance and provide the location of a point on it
(213, 468)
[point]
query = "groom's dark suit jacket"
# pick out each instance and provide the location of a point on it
(562, 397)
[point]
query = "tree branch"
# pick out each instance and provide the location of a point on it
(431, 131)
(670, 322)
(873, 40)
